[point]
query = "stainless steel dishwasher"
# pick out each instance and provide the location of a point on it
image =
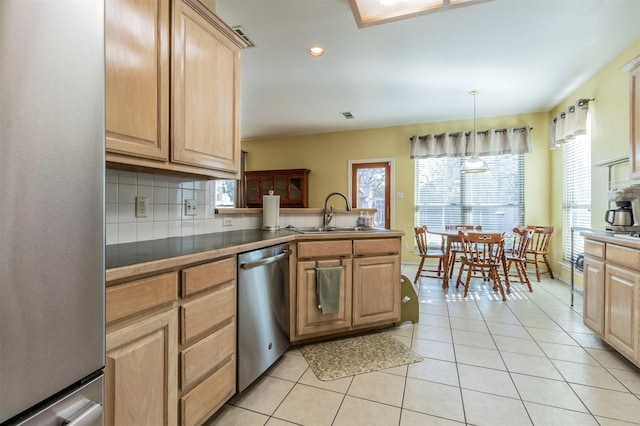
(263, 310)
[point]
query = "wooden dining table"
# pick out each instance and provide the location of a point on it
(451, 235)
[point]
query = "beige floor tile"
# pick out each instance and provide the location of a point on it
(555, 393)
(611, 422)
(311, 406)
(432, 333)
(434, 320)
(575, 327)
(404, 330)
(478, 326)
(289, 367)
(531, 365)
(404, 340)
(520, 346)
(567, 353)
(590, 341)
(435, 371)
(264, 395)
(630, 379)
(553, 416)
(508, 330)
(611, 404)
(434, 399)
(359, 412)
(338, 385)
(486, 409)
(469, 338)
(277, 422)
(486, 380)
(551, 336)
(400, 370)
(611, 359)
(229, 415)
(378, 387)
(433, 309)
(537, 322)
(590, 375)
(464, 309)
(501, 318)
(480, 357)
(433, 349)
(411, 418)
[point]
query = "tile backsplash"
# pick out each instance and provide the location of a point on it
(166, 212)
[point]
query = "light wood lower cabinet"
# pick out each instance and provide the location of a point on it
(612, 295)
(171, 360)
(621, 310)
(141, 380)
(369, 286)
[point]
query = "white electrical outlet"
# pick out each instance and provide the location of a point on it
(406, 246)
(142, 205)
(190, 207)
(226, 221)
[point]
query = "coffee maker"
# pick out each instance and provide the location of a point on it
(626, 217)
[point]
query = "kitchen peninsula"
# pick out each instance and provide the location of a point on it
(172, 302)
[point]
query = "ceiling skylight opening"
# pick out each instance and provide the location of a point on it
(316, 51)
(374, 12)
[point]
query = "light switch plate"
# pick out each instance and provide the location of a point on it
(190, 207)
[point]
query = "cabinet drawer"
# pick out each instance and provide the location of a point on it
(207, 311)
(594, 249)
(378, 246)
(623, 256)
(137, 296)
(200, 358)
(208, 396)
(340, 248)
(202, 277)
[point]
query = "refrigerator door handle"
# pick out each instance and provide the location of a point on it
(85, 417)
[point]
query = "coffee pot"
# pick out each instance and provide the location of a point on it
(619, 217)
(626, 217)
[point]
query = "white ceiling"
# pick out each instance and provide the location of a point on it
(521, 55)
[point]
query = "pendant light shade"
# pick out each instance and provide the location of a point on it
(474, 164)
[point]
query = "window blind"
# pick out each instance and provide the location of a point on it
(576, 209)
(493, 199)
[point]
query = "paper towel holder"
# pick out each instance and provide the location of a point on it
(271, 212)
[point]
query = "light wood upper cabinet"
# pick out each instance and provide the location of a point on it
(172, 88)
(206, 75)
(633, 68)
(137, 77)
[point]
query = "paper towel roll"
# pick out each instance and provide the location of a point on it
(270, 212)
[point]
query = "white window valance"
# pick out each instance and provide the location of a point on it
(460, 144)
(569, 124)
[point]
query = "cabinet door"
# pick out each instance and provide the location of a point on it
(141, 371)
(633, 68)
(205, 88)
(376, 290)
(309, 319)
(593, 308)
(621, 310)
(137, 78)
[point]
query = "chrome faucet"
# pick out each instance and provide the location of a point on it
(326, 217)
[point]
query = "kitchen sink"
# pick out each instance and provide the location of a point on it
(334, 229)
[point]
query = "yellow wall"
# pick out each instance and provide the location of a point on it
(327, 155)
(609, 139)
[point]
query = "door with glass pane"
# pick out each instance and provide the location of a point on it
(371, 189)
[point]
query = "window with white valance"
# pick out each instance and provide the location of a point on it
(460, 144)
(569, 124)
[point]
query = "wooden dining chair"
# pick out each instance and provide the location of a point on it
(454, 244)
(517, 255)
(539, 248)
(482, 252)
(425, 253)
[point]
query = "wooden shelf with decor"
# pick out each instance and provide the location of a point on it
(292, 185)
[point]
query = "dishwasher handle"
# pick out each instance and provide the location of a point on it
(265, 261)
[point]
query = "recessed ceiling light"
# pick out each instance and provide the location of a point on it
(316, 51)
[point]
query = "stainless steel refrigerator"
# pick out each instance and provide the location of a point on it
(51, 211)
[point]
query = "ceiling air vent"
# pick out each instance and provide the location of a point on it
(347, 115)
(244, 36)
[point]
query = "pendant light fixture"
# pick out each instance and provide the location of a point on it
(474, 164)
